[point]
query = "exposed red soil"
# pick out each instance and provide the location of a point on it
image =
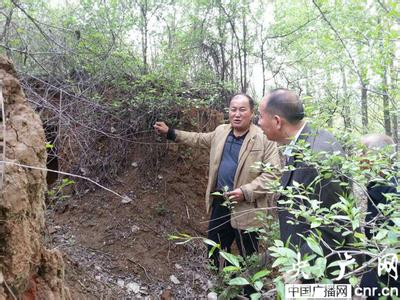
(105, 240)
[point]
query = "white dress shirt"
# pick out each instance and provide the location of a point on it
(289, 148)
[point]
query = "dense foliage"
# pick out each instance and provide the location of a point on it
(341, 55)
(106, 70)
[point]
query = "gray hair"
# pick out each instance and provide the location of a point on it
(377, 141)
(285, 104)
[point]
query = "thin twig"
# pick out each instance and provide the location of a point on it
(187, 212)
(341, 41)
(143, 268)
(9, 289)
(64, 173)
(237, 215)
(3, 119)
(33, 20)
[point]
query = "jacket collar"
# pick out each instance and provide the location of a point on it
(244, 150)
(289, 147)
(287, 175)
(305, 133)
(247, 140)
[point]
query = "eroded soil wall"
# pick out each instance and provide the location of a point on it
(28, 269)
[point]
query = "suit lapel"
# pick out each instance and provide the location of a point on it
(287, 175)
(219, 148)
(245, 149)
(305, 134)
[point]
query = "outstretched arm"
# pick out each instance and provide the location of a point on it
(194, 139)
(161, 128)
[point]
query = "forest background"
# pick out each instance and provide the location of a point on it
(340, 56)
(100, 73)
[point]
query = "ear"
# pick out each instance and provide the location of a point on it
(278, 121)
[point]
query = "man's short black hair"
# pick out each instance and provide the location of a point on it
(285, 104)
(251, 101)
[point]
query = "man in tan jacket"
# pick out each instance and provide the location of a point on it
(235, 149)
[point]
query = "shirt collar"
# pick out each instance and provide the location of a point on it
(289, 148)
(242, 137)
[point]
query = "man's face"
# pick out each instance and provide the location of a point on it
(268, 122)
(240, 113)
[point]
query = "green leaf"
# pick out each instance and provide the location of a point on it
(334, 264)
(238, 281)
(335, 273)
(360, 235)
(212, 250)
(67, 181)
(396, 221)
(313, 244)
(353, 281)
(211, 243)
(381, 234)
(255, 296)
(49, 146)
(280, 261)
(258, 285)
(217, 194)
(230, 258)
(174, 237)
(315, 223)
(280, 288)
(326, 281)
(315, 204)
(287, 252)
(229, 269)
(260, 274)
(319, 268)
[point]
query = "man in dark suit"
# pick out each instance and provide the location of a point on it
(281, 119)
(377, 189)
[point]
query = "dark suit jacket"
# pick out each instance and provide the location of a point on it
(376, 193)
(326, 191)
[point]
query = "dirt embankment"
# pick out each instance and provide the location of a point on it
(118, 250)
(28, 269)
(111, 248)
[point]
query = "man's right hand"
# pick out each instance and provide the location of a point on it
(161, 128)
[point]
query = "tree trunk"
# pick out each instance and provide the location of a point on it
(364, 107)
(395, 129)
(235, 35)
(263, 69)
(144, 29)
(231, 58)
(4, 34)
(223, 62)
(221, 44)
(244, 87)
(346, 102)
(386, 108)
(394, 105)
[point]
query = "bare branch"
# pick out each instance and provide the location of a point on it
(36, 23)
(62, 173)
(341, 41)
(7, 24)
(3, 120)
(292, 31)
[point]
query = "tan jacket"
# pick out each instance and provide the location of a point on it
(255, 148)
